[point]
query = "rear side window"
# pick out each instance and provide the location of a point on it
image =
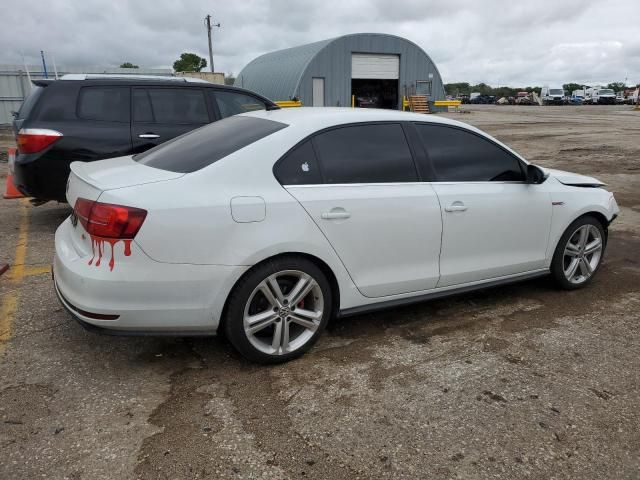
(461, 156)
(376, 153)
(109, 104)
(202, 147)
(231, 103)
(299, 166)
(29, 102)
(171, 105)
(142, 112)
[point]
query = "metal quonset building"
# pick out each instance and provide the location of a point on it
(377, 69)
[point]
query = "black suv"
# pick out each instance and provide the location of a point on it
(87, 118)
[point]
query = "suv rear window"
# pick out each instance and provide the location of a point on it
(29, 102)
(202, 147)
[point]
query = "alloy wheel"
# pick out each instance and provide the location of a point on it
(582, 254)
(283, 312)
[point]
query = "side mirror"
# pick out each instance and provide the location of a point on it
(14, 114)
(535, 175)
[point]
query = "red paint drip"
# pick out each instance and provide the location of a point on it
(99, 243)
(93, 250)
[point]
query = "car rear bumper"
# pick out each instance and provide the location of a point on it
(42, 177)
(140, 295)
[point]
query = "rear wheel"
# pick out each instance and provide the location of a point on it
(278, 310)
(579, 253)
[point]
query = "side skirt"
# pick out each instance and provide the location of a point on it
(447, 292)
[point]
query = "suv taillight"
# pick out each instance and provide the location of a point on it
(34, 140)
(107, 220)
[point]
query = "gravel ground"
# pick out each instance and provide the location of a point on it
(514, 382)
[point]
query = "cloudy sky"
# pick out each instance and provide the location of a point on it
(492, 41)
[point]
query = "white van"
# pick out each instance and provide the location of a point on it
(601, 95)
(552, 95)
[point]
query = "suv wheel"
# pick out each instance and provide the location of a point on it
(278, 310)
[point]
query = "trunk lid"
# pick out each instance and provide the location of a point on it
(90, 179)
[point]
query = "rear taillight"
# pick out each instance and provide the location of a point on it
(34, 140)
(107, 220)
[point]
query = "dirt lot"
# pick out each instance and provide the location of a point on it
(515, 382)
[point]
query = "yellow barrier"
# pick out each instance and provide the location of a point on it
(447, 103)
(289, 103)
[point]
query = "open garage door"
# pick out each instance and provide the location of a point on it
(374, 80)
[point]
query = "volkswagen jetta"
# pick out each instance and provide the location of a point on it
(265, 225)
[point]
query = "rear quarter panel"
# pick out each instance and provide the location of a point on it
(190, 221)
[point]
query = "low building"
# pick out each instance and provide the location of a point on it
(366, 69)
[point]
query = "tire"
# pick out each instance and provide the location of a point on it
(577, 258)
(264, 320)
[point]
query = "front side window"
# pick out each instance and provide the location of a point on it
(232, 103)
(170, 106)
(299, 166)
(458, 155)
(109, 104)
(376, 153)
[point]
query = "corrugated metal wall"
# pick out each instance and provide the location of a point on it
(286, 73)
(334, 64)
(14, 85)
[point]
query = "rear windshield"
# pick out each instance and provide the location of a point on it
(556, 91)
(204, 146)
(29, 102)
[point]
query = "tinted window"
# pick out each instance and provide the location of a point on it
(177, 105)
(142, 106)
(109, 104)
(365, 154)
(197, 149)
(231, 103)
(461, 156)
(29, 102)
(299, 166)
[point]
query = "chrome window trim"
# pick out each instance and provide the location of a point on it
(315, 185)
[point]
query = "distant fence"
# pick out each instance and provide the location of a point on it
(14, 83)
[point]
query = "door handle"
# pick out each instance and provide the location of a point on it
(455, 207)
(148, 135)
(336, 214)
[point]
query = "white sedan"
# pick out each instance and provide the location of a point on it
(265, 225)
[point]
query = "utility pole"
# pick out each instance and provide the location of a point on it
(44, 64)
(207, 20)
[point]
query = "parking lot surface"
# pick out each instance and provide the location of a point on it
(522, 381)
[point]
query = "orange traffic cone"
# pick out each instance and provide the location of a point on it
(10, 190)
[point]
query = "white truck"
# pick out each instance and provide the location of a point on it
(599, 95)
(552, 95)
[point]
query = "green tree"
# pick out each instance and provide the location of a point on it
(570, 87)
(455, 89)
(189, 62)
(617, 86)
(128, 65)
(229, 78)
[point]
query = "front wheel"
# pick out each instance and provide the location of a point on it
(278, 310)
(579, 253)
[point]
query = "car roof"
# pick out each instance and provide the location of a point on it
(145, 80)
(324, 117)
(308, 120)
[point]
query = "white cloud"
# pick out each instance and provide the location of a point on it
(498, 42)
